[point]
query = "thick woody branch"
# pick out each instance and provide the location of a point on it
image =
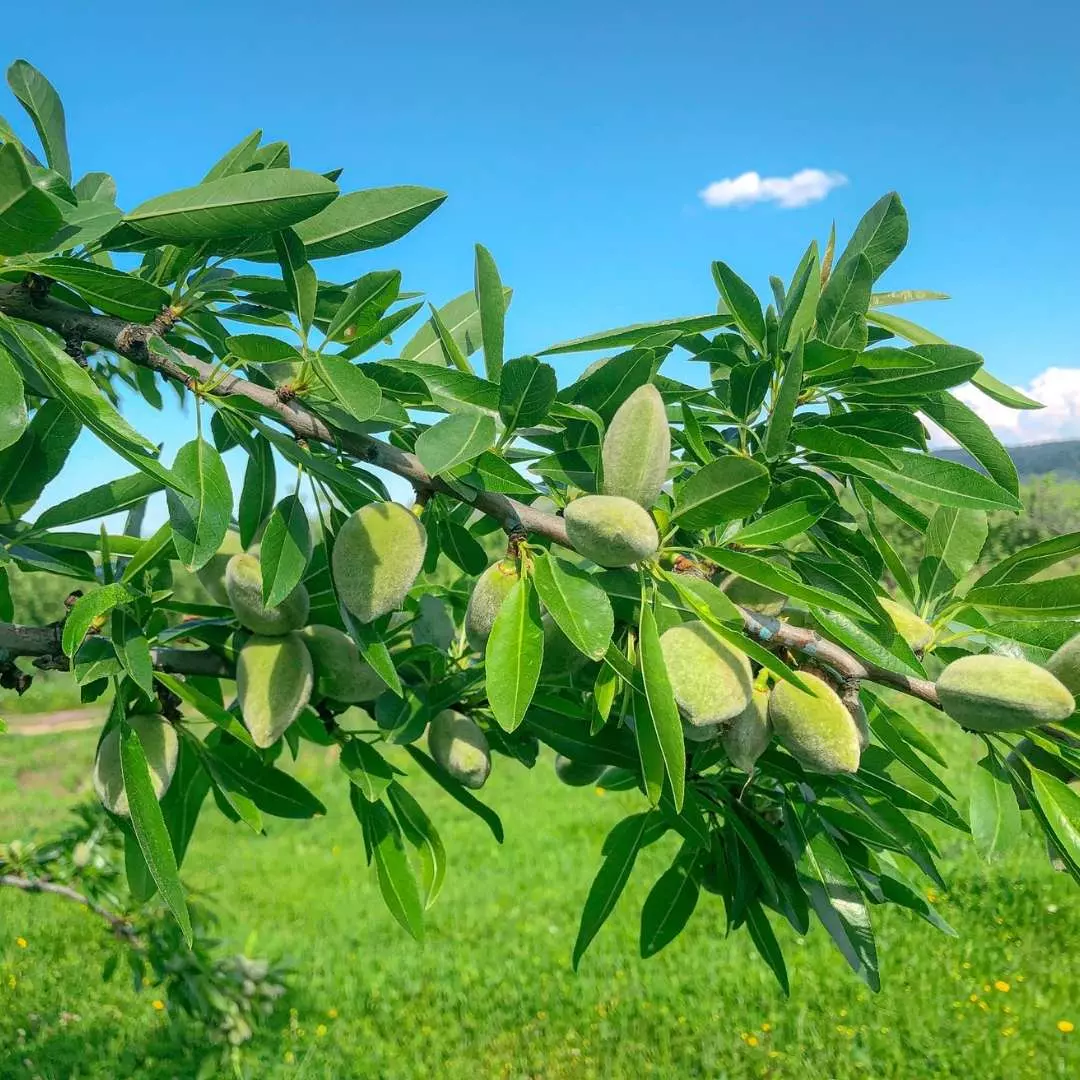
(44, 641)
(120, 926)
(130, 340)
(770, 631)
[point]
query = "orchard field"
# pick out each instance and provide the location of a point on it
(490, 993)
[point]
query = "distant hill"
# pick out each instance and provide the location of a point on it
(1061, 458)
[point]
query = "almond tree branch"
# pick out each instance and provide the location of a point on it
(130, 340)
(44, 641)
(120, 926)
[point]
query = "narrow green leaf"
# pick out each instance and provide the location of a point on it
(973, 433)
(396, 881)
(724, 490)
(13, 417)
(364, 305)
(366, 768)
(206, 706)
(880, 236)
(149, 825)
(200, 520)
(100, 501)
(360, 396)
(257, 494)
(300, 281)
(266, 201)
(262, 349)
(492, 306)
(237, 159)
(638, 333)
(458, 792)
(776, 526)
(662, 712)
(526, 392)
(87, 609)
(992, 811)
(515, 652)
(1061, 805)
(133, 650)
(954, 541)
(844, 299)
(668, 907)
(1056, 598)
(78, 391)
(620, 853)
(36, 459)
(577, 602)
(112, 291)
(743, 304)
(783, 408)
(943, 482)
(39, 98)
(455, 439)
(764, 939)
(285, 550)
(420, 831)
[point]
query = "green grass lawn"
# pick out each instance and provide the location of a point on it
(491, 994)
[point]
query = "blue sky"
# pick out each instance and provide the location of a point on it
(574, 140)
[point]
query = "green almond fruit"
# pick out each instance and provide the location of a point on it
(815, 728)
(161, 748)
(340, 673)
(244, 585)
(378, 555)
(711, 680)
(576, 773)
(1002, 693)
(637, 448)
(1064, 665)
(916, 631)
(703, 734)
(750, 732)
(491, 589)
(752, 596)
(274, 680)
(460, 747)
(611, 530)
(212, 574)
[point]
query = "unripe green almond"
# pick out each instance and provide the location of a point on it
(576, 773)
(917, 632)
(340, 673)
(711, 680)
(1002, 693)
(611, 530)
(212, 575)
(1064, 665)
(491, 589)
(753, 597)
(378, 554)
(637, 447)
(460, 747)
(274, 680)
(161, 748)
(244, 584)
(749, 734)
(815, 728)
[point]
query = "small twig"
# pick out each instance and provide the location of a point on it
(120, 926)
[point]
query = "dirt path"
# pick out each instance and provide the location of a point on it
(52, 722)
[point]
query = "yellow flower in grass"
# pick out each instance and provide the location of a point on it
(1065, 1026)
(158, 1004)
(332, 1013)
(752, 1040)
(1002, 986)
(21, 942)
(321, 1030)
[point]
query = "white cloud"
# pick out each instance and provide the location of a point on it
(1058, 388)
(804, 187)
